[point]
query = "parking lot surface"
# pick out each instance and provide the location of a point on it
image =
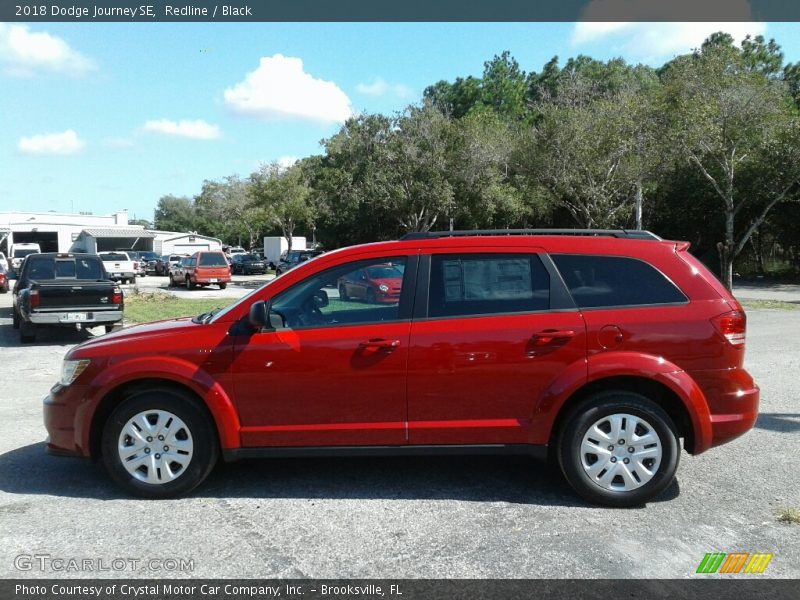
(455, 517)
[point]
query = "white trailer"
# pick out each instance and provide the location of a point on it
(275, 246)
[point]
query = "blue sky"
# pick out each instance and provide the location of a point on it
(99, 117)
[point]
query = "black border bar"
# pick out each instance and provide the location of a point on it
(32, 11)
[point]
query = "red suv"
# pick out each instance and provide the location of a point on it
(601, 348)
(202, 269)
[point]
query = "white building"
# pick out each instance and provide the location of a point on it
(174, 242)
(54, 232)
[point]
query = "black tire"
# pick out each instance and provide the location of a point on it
(171, 281)
(199, 424)
(607, 403)
(189, 284)
(222, 286)
(343, 293)
(27, 332)
(113, 327)
(371, 296)
(278, 272)
(14, 318)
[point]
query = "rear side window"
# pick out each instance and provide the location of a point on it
(114, 256)
(213, 259)
(601, 281)
(484, 284)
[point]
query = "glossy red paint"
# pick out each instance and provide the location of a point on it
(490, 379)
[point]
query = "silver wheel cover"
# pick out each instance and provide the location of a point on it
(155, 447)
(621, 452)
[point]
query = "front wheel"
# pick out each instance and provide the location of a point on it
(159, 444)
(619, 449)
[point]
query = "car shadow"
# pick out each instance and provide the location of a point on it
(516, 479)
(782, 422)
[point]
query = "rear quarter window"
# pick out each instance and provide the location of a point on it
(604, 281)
(213, 259)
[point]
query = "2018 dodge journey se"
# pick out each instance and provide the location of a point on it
(601, 349)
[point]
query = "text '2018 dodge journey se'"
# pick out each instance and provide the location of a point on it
(602, 349)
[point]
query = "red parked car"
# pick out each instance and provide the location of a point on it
(201, 269)
(603, 349)
(374, 284)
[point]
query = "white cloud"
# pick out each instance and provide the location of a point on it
(23, 53)
(67, 142)
(651, 41)
(284, 162)
(652, 36)
(196, 130)
(380, 87)
(377, 88)
(280, 89)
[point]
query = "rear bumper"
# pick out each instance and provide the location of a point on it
(733, 399)
(62, 318)
(211, 280)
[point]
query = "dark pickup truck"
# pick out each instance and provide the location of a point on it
(65, 290)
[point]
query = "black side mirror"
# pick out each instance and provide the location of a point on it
(259, 316)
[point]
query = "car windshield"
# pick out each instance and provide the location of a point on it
(114, 256)
(384, 273)
(213, 259)
(243, 299)
(148, 255)
(250, 258)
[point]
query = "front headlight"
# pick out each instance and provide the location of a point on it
(70, 369)
(383, 287)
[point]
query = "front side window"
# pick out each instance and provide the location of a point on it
(483, 284)
(343, 295)
(603, 281)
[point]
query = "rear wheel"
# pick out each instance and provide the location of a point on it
(189, 284)
(619, 448)
(27, 332)
(114, 327)
(159, 444)
(222, 286)
(14, 319)
(171, 281)
(371, 296)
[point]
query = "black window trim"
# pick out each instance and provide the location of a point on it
(560, 298)
(405, 305)
(617, 306)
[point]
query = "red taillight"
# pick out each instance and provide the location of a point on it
(116, 296)
(34, 296)
(732, 325)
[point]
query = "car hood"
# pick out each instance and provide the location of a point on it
(392, 282)
(168, 328)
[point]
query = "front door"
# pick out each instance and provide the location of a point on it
(335, 374)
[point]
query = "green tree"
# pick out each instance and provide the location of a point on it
(283, 194)
(175, 213)
(731, 116)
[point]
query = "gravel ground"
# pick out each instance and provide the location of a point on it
(409, 517)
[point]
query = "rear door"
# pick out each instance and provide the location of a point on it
(492, 333)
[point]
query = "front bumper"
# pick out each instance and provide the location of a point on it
(61, 411)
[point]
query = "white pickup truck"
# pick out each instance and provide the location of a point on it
(119, 266)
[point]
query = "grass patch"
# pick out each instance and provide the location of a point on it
(144, 308)
(774, 304)
(789, 515)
